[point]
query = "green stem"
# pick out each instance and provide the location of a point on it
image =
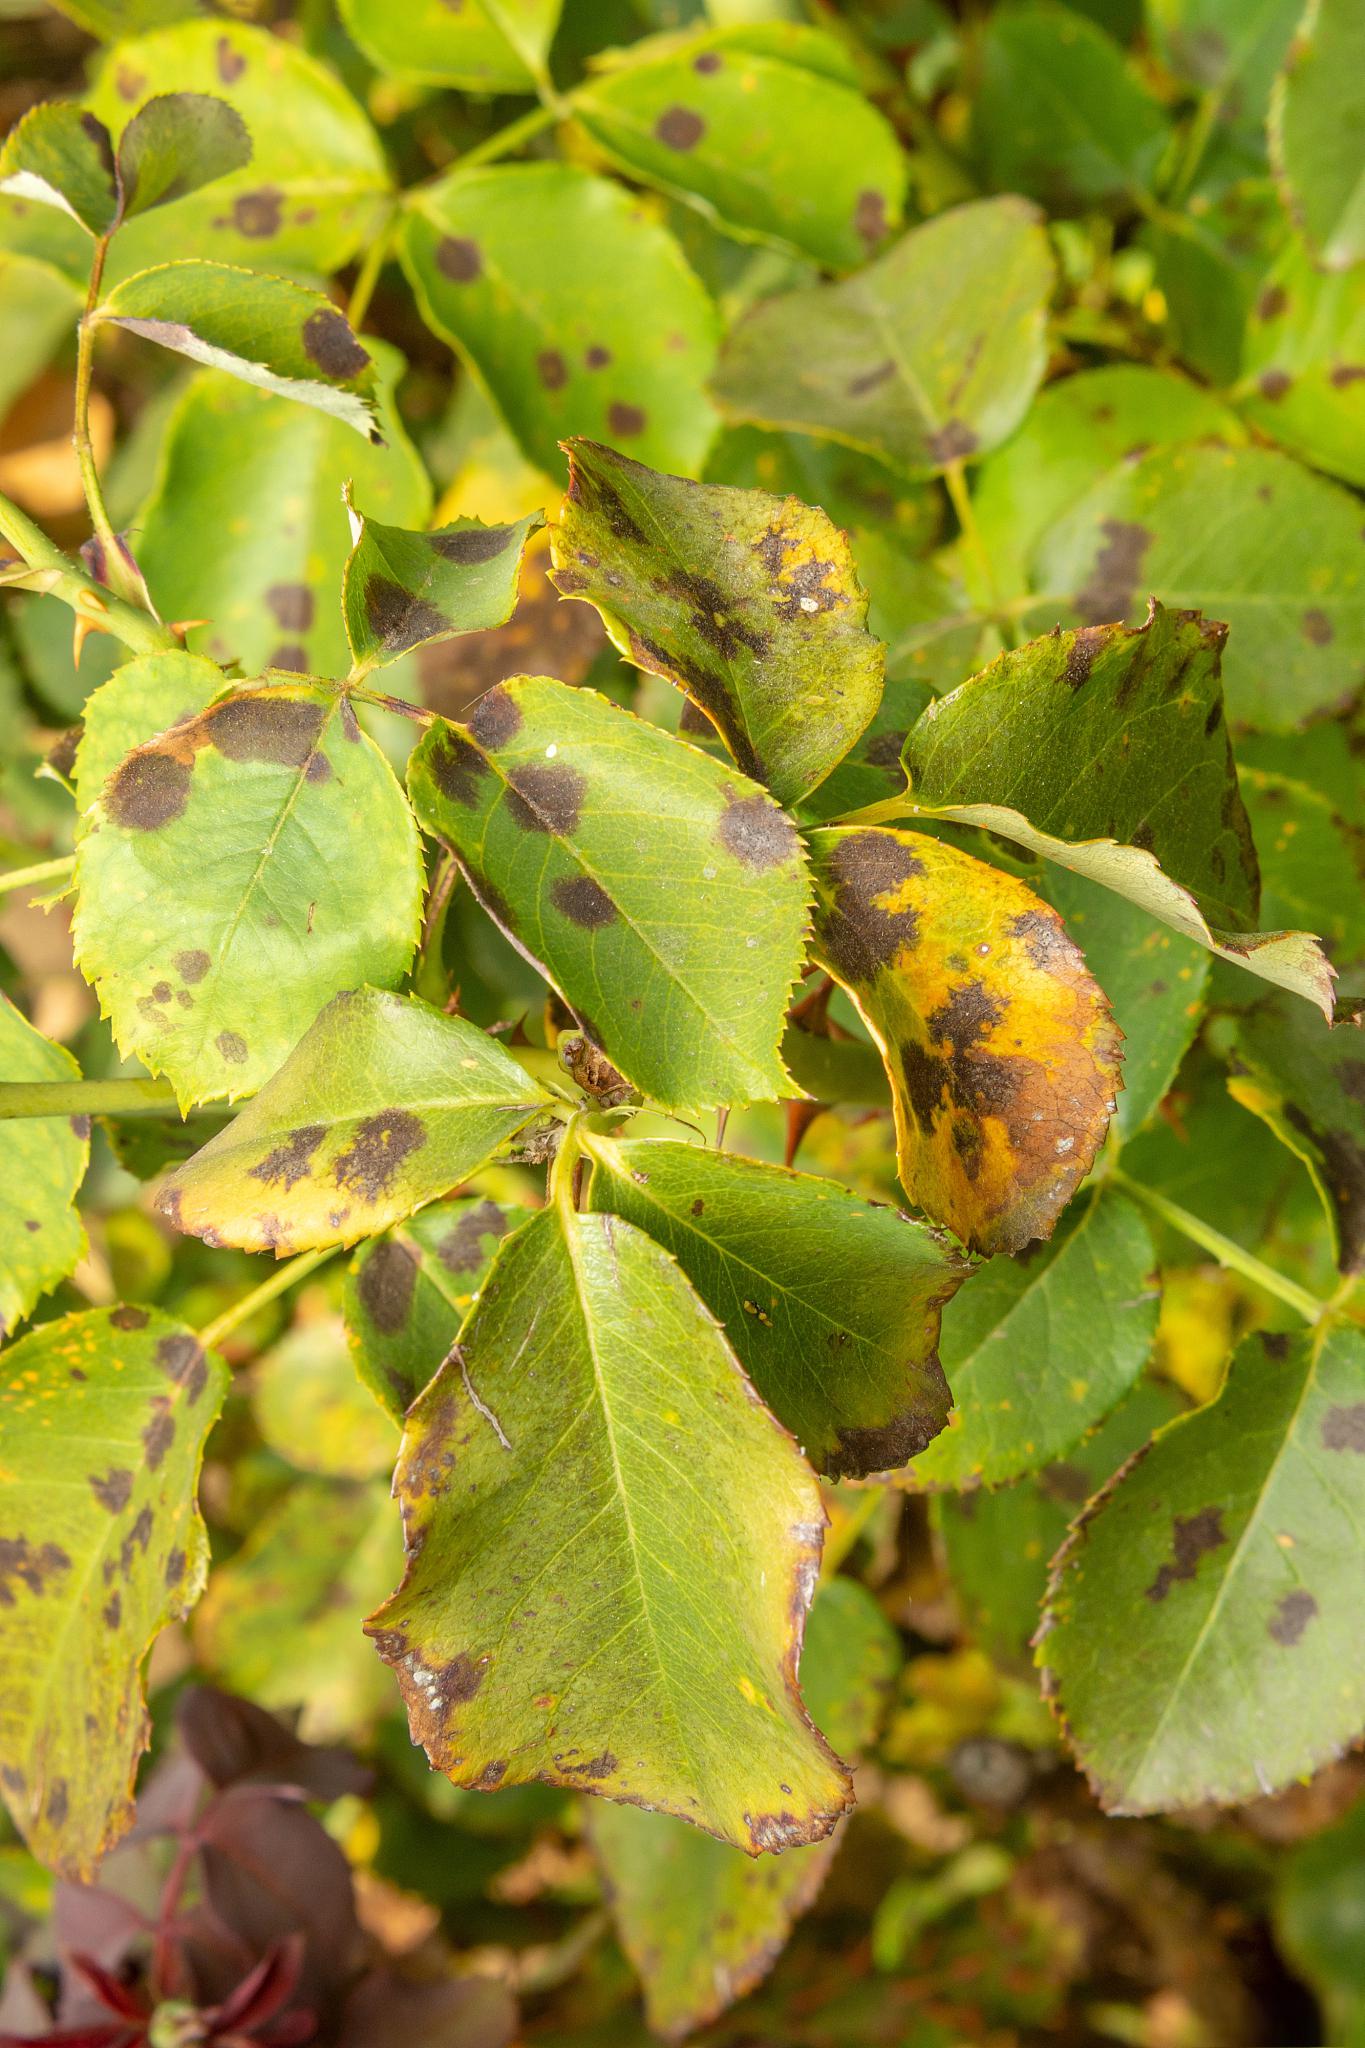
(1197, 139)
(85, 450)
(1224, 1249)
(514, 134)
(86, 1098)
(283, 1277)
(888, 812)
(955, 477)
(400, 706)
(45, 871)
(59, 575)
(367, 277)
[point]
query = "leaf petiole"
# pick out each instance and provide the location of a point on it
(1227, 1252)
(284, 1277)
(44, 871)
(133, 1097)
(99, 610)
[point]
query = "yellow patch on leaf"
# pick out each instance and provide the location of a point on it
(1001, 1050)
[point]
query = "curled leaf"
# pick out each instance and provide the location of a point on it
(403, 589)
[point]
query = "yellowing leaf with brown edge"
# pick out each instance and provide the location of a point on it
(611, 1550)
(103, 1418)
(1002, 1053)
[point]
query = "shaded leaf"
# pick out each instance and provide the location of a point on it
(101, 1544)
(383, 1105)
(236, 1743)
(1059, 114)
(770, 641)
(404, 589)
(175, 143)
(872, 771)
(702, 1923)
(1230, 1553)
(281, 1619)
(831, 1303)
(1228, 45)
(619, 858)
(1303, 363)
(408, 1292)
(763, 126)
(262, 329)
(208, 968)
(1310, 869)
(42, 1164)
(573, 306)
(385, 2010)
(612, 1595)
(930, 354)
(1003, 1058)
(60, 155)
(484, 46)
(1105, 750)
(1317, 111)
(1317, 1922)
(1039, 1351)
(142, 698)
(1279, 547)
(267, 585)
(313, 1411)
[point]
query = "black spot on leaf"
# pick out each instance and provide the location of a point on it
(869, 217)
(626, 420)
(860, 936)
(1192, 1537)
(584, 901)
(596, 357)
(232, 1048)
(231, 62)
(709, 61)
(396, 617)
(679, 128)
(461, 1249)
(552, 369)
(262, 728)
(1272, 384)
(471, 544)
(371, 1164)
(458, 259)
(756, 832)
(457, 767)
(546, 797)
(148, 791)
(114, 1490)
(1292, 1616)
(953, 442)
(193, 965)
(597, 1767)
(159, 1434)
(387, 1281)
(495, 719)
(292, 605)
(329, 342)
(23, 1564)
(126, 1317)
(1317, 628)
(1343, 1429)
(257, 215)
(1108, 596)
(289, 1162)
(112, 1611)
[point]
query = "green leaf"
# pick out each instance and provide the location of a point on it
(1003, 1057)
(264, 330)
(1208, 265)
(141, 700)
(930, 354)
(770, 641)
(1155, 981)
(1059, 114)
(701, 1923)
(1233, 47)
(39, 308)
(485, 46)
(281, 1619)
(831, 1303)
(1276, 548)
(872, 771)
(1310, 872)
(618, 858)
(41, 1236)
(101, 1544)
(61, 156)
(1316, 116)
(208, 966)
(383, 1105)
(1308, 1084)
(313, 1411)
(764, 127)
(612, 1596)
(1319, 1922)
(176, 143)
(1038, 1352)
(404, 590)
(1230, 1552)
(110, 18)
(999, 1543)
(1040, 747)
(574, 308)
(267, 581)
(408, 1292)
(1303, 364)
(317, 184)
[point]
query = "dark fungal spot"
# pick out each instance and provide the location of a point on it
(1066, 1484)
(626, 420)
(679, 128)
(870, 380)
(595, 1768)
(22, 1564)
(461, 1250)
(370, 1165)
(80, 1126)
(129, 84)
(471, 544)
(1317, 628)
(148, 791)
(1343, 1429)
(396, 617)
(112, 1611)
(552, 369)
(318, 769)
(159, 1434)
(329, 342)
(1080, 656)
(1272, 384)
(776, 1831)
(289, 1162)
(491, 1776)
(583, 901)
(953, 442)
(175, 1567)
(709, 61)
(546, 797)
(1108, 595)
(257, 215)
(192, 966)
(231, 62)
(886, 1446)
(1192, 1536)
(859, 934)
(1214, 719)
(387, 1281)
(292, 605)
(12, 1779)
(1272, 302)
(1292, 1616)
(458, 259)
(457, 767)
(596, 357)
(31, 1223)
(138, 1538)
(869, 217)
(1275, 1344)
(162, 992)
(1042, 937)
(57, 1803)
(114, 1489)
(756, 832)
(232, 1048)
(290, 655)
(1343, 374)
(495, 719)
(350, 724)
(265, 728)
(178, 1355)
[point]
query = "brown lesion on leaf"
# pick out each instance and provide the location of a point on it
(546, 797)
(1343, 1428)
(869, 217)
(329, 343)
(459, 259)
(595, 1769)
(1292, 1616)
(150, 789)
(584, 902)
(289, 1162)
(1192, 1537)
(128, 1318)
(159, 1434)
(397, 618)
(457, 767)
(262, 727)
(33, 1566)
(871, 379)
(139, 1538)
(230, 61)
(193, 965)
(470, 545)
(387, 1282)
(292, 605)
(461, 1249)
(1317, 628)
(112, 1611)
(176, 1562)
(953, 442)
(495, 719)
(679, 128)
(258, 215)
(625, 419)
(552, 369)
(860, 934)
(113, 1489)
(232, 1048)
(372, 1162)
(756, 832)
(1109, 594)
(58, 1803)
(181, 1357)
(865, 1448)
(1273, 384)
